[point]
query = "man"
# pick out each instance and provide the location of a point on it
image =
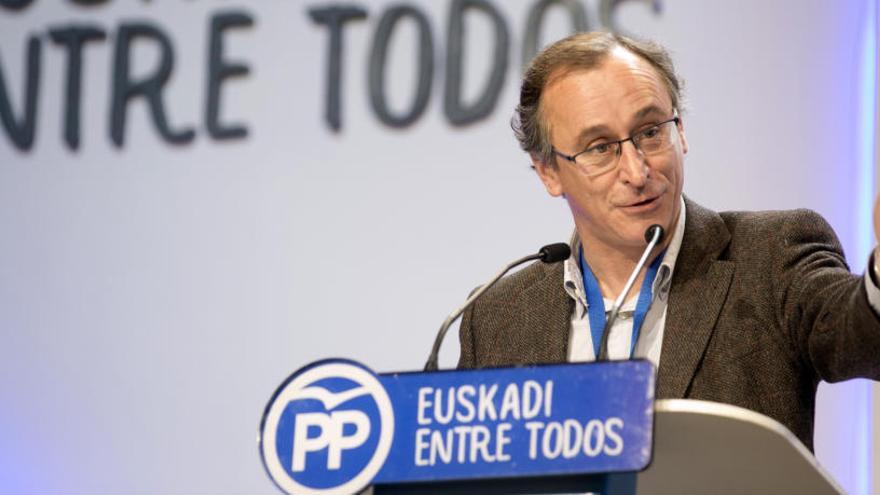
(750, 309)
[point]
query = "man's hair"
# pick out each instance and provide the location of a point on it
(578, 51)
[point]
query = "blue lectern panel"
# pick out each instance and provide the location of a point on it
(502, 422)
(335, 426)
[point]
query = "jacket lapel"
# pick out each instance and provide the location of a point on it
(545, 327)
(552, 318)
(699, 287)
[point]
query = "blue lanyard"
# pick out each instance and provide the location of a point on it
(596, 305)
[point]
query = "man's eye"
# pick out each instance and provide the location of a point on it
(651, 132)
(599, 149)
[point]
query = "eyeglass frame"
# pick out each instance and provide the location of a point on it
(572, 158)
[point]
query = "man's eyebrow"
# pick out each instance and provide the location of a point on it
(649, 110)
(599, 129)
(591, 131)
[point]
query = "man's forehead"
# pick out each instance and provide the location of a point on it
(622, 92)
(621, 75)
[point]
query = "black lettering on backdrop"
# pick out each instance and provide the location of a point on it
(456, 111)
(124, 89)
(219, 70)
(22, 133)
(378, 58)
(335, 18)
(19, 118)
(15, 4)
(73, 39)
(20, 4)
(536, 17)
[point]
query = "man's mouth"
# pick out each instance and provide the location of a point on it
(642, 203)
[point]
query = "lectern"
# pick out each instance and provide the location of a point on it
(707, 447)
(334, 427)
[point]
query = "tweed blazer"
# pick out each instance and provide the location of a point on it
(762, 307)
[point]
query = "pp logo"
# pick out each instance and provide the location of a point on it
(327, 429)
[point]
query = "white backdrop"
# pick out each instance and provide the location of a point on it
(152, 296)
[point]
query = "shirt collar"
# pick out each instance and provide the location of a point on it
(574, 283)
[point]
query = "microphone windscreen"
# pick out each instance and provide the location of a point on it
(553, 253)
(649, 234)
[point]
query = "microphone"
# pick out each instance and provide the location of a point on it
(653, 236)
(551, 253)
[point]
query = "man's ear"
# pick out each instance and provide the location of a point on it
(549, 174)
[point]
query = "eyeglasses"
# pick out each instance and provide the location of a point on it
(602, 157)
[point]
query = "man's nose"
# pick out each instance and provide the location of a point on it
(633, 167)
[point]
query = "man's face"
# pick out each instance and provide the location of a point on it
(582, 108)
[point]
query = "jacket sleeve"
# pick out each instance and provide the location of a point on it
(824, 307)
